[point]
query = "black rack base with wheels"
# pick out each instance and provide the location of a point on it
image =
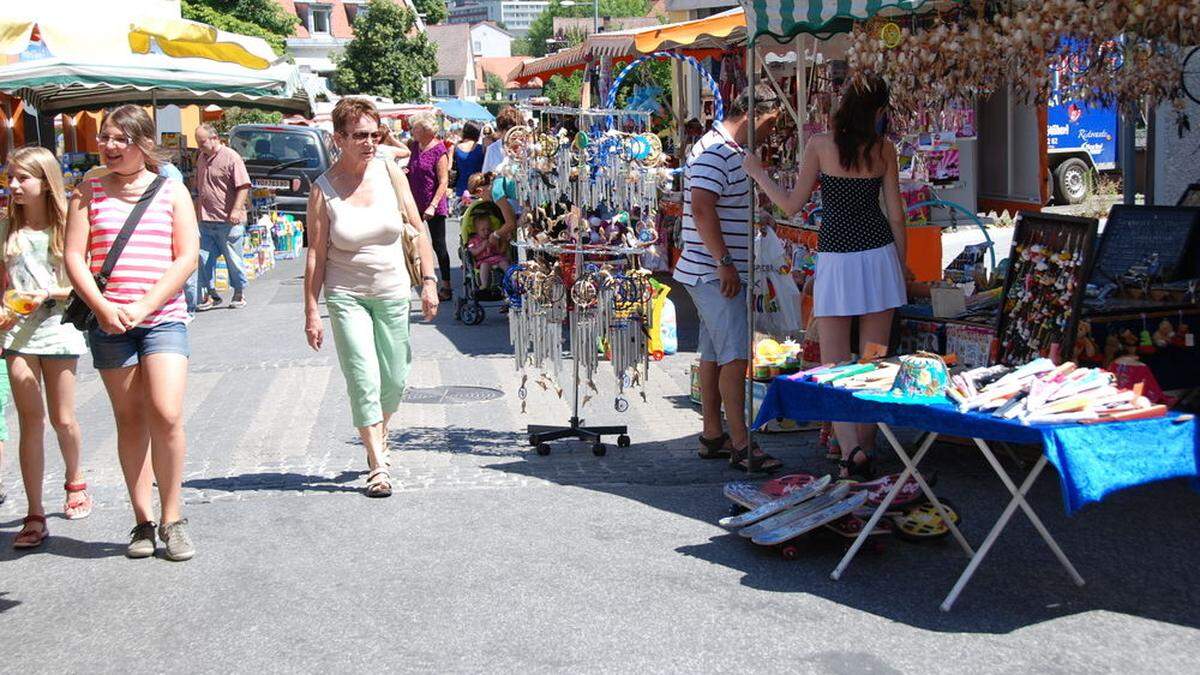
(540, 436)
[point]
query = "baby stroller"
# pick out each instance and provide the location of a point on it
(469, 308)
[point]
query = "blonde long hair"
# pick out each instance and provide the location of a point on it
(41, 164)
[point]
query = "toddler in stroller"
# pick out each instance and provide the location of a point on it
(483, 262)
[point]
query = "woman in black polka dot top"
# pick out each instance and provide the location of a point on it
(860, 261)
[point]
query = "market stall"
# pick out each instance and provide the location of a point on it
(1102, 429)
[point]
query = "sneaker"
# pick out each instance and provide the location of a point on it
(179, 544)
(238, 301)
(141, 541)
(214, 298)
(205, 305)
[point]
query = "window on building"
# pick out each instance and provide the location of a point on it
(443, 87)
(319, 19)
(478, 47)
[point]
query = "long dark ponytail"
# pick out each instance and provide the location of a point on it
(855, 131)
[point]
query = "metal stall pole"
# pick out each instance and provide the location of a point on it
(751, 82)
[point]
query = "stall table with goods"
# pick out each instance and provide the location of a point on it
(1098, 436)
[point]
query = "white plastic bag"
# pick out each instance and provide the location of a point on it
(776, 296)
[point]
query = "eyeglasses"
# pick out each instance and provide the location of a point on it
(121, 141)
(360, 136)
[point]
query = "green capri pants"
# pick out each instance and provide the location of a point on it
(371, 337)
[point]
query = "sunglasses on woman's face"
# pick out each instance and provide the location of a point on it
(360, 136)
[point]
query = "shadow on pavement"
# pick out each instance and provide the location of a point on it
(5, 604)
(278, 481)
(66, 547)
(1130, 568)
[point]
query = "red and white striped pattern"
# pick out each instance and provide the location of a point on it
(147, 255)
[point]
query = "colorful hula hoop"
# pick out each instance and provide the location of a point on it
(719, 112)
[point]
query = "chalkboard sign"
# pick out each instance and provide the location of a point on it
(1049, 262)
(1190, 196)
(1135, 233)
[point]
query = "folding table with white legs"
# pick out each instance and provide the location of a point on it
(976, 556)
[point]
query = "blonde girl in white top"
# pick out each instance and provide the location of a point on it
(40, 350)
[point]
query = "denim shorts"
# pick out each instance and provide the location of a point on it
(124, 350)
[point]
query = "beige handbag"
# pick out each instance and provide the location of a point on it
(410, 238)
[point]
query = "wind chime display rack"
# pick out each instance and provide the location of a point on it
(588, 183)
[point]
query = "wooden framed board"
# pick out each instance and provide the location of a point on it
(1190, 196)
(1135, 233)
(1049, 264)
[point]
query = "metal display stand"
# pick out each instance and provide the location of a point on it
(547, 171)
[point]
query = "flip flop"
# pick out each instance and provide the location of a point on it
(714, 448)
(29, 538)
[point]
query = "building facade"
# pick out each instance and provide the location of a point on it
(326, 27)
(514, 15)
(489, 40)
(455, 77)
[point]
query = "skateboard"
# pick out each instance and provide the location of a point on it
(816, 518)
(787, 501)
(746, 495)
(877, 489)
(799, 512)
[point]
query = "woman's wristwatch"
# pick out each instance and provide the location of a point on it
(429, 278)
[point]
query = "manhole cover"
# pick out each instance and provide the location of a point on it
(453, 395)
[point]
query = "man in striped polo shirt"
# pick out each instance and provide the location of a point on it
(713, 265)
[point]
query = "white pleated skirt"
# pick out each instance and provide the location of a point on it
(863, 282)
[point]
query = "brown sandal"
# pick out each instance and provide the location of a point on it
(753, 460)
(379, 483)
(28, 537)
(714, 448)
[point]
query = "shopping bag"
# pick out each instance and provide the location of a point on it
(776, 296)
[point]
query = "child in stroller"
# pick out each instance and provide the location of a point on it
(483, 263)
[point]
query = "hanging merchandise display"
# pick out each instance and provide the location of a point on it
(587, 182)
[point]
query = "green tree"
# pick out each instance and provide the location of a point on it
(542, 27)
(386, 57)
(231, 117)
(566, 91)
(260, 18)
(494, 86)
(432, 11)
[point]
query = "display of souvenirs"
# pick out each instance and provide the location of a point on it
(1044, 287)
(970, 344)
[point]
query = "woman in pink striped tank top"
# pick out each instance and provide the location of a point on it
(139, 342)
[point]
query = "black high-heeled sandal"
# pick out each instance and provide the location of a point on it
(858, 471)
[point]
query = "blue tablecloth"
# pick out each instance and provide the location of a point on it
(1093, 460)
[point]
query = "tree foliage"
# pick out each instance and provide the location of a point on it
(566, 91)
(231, 117)
(432, 11)
(494, 86)
(260, 18)
(386, 57)
(542, 27)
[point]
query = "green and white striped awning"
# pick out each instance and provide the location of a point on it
(785, 19)
(55, 85)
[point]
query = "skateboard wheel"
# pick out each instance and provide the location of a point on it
(598, 449)
(622, 441)
(543, 449)
(789, 552)
(737, 509)
(534, 441)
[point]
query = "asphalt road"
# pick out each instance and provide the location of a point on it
(491, 558)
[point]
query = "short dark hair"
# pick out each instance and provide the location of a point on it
(470, 131)
(765, 101)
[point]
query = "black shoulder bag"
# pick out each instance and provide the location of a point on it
(77, 312)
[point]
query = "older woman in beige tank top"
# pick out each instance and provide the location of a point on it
(356, 220)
